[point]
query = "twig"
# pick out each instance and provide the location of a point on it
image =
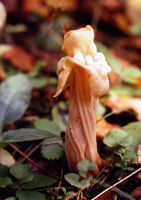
(30, 160)
(24, 155)
(111, 187)
(62, 172)
(111, 113)
(32, 151)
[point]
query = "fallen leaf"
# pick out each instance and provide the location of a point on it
(35, 6)
(6, 158)
(134, 9)
(138, 155)
(20, 58)
(123, 103)
(2, 73)
(64, 5)
(103, 127)
(3, 15)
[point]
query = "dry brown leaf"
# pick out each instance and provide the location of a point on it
(35, 6)
(103, 127)
(124, 103)
(2, 73)
(3, 16)
(6, 158)
(63, 5)
(19, 58)
(138, 155)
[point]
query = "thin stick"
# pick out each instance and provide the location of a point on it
(117, 183)
(24, 155)
(30, 160)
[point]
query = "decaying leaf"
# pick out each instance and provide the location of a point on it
(138, 154)
(3, 16)
(2, 73)
(124, 103)
(64, 5)
(6, 158)
(35, 6)
(20, 58)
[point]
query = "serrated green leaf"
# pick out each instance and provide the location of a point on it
(29, 195)
(134, 130)
(52, 151)
(15, 94)
(5, 181)
(4, 170)
(48, 125)
(25, 134)
(40, 181)
(10, 198)
(73, 179)
(85, 165)
(117, 137)
(22, 172)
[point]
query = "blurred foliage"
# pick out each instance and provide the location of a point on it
(31, 38)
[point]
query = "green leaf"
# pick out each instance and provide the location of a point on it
(22, 172)
(69, 194)
(48, 125)
(116, 66)
(4, 170)
(82, 174)
(40, 181)
(133, 130)
(130, 74)
(10, 198)
(124, 91)
(60, 115)
(5, 181)
(25, 134)
(101, 109)
(117, 137)
(136, 29)
(85, 165)
(52, 151)
(39, 82)
(15, 94)
(29, 195)
(36, 69)
(73, 179)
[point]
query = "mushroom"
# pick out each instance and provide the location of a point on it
(85, 71)
(3, 16)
